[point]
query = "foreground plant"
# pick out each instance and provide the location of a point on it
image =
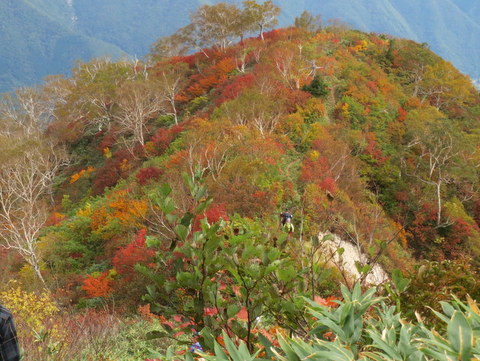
(364, 328)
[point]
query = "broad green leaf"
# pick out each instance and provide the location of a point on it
(172, 218)
(181, 231)
(165, 190)
(168, 206)
(327, 237)
(286, 274)
(201, 207)
(447, 309)
(232, 350)
(460, 335)
(220, 355)
(287, 349)
(187, 219)
(152, 241)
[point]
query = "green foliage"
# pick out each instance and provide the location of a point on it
(222, 277)
(433, 282)
(317, 87)
(379, 334)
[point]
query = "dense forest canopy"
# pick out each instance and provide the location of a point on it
(157, 187)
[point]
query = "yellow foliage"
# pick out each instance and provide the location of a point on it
(125, 166)
(149, 147)
(314, 154)
(35, 314)
(107, 153)
(85, 211)
(120, 209)
(402, 234)
(314, 108)
(362, 45)
(345, 109)
(27, 274)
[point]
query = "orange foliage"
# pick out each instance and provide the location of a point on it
(210, 77)
(127, 211)
(328, 302)
(98, 285)
(55, 218)
(84, 172)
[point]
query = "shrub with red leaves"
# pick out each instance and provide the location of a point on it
(213, 215)
(127, 257)
(144, 175)
(164, 136)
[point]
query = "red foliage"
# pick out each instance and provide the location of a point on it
(113, 170)
(280, 34)
(372, 149)
(108, 141)
(234, 88)
(54, 219)
(99, 286)
(146, 174)
(313, 169)
(328, 302)
(127, 257)
(188, 59)
(372, 86)
(328, 184)
(295, 98)
(164, 136)
(458, 234)
(213, 214)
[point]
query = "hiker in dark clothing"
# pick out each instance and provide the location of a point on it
(286, 221)
(8, 337)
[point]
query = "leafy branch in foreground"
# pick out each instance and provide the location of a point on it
(364, 328)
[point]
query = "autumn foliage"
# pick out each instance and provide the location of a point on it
(135, 252)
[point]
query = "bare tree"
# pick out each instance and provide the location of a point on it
(138, 102)
(217, 24)
(31, 108)
(436, 152)
(29, 166)
(172, 79)
(260, 16)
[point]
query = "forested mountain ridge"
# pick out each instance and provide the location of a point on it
(32, 30)
(158, 187)
(38, 39)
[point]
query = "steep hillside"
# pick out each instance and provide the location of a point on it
(158, 189)
(451, 28)
(378, 135)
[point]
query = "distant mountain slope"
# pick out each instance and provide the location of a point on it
(37, 40)
(40, 37)
(131, 24)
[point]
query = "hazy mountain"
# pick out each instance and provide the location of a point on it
(41, 37)
(38, 38)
